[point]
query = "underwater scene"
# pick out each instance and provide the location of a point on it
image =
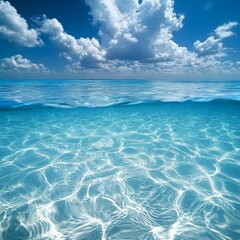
(130, 159)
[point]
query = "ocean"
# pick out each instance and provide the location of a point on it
(126, 159)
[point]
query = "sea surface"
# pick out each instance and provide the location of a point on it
(109, 160)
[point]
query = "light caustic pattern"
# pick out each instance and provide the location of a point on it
(148, 171)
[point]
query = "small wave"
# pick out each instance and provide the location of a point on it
(13, 105)
(93, 94)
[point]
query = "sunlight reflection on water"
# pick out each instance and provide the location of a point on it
(148, 171)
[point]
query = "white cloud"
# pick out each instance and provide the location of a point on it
(224, 31)
(19, 64)
(86, 50)
(213, 45)
(198, 69)
(15, 29)
(136, 40)
(133, 31)
(144, 32)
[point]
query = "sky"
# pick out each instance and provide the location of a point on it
(120, 39)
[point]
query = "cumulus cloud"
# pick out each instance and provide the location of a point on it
(224, 31)
(128, 31)
(135, 40)
(197, 69)
(137, 31)
(15, 29)
(86, 50)
(19, 64)
(213, 45)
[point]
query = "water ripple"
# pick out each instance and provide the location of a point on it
(88, 93)
(165, 171)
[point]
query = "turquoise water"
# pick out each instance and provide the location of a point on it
(119, 160)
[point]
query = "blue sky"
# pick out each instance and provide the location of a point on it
(153, 39)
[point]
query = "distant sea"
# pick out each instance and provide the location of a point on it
(119, 159)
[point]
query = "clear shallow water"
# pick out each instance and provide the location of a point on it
(119, 164)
